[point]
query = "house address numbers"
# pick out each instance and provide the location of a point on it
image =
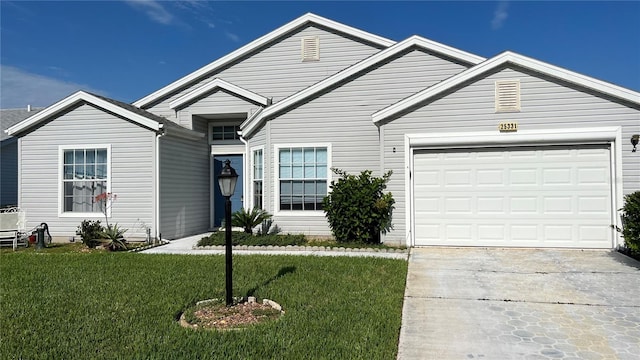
(508, 126)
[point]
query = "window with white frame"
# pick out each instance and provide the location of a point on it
(84, 176)
(258, 166)
(303, 177)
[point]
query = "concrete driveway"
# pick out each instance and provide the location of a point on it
(479, 303)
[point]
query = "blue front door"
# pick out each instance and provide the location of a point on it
(218, 199)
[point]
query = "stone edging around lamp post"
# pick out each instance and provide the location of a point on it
(249, 300)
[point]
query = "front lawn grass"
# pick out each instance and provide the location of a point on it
(104, 305)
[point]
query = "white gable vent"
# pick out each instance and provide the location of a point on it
(507, 95)
(310, 48)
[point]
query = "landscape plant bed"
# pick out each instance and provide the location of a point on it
(632, 254)
(110, 305)
(214, 314)
(245, 239)
(70, 247)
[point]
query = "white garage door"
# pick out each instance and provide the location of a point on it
(521, 196)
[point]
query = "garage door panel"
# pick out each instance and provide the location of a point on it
(593, 205)
(558, 205)
(531, 197)
(489, 205)
(593, 176)
(558, 176)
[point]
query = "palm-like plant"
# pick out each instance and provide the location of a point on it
(113, 238)
(249, 219)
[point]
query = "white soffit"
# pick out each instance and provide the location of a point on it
(75, 98)
(220, 84)
(516, 59)
(307, 18)
(363, 65)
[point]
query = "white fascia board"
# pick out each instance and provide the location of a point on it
(250, 120)
(356, 68)
(575, 78)
(307, 18)
(221, 84)
(74, 99)
(448, 50)
(499, 60)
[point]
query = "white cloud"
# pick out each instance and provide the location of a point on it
(21, 88)
(233, 37)
(154, 10)
(500, 15)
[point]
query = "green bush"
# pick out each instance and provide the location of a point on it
(631, 219)
(89, 232)
(249, 219)
(241, 238)
(357, 208)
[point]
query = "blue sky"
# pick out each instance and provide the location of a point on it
(128, 49)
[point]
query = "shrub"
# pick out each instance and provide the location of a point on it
(241, 238)
(268, 228)
(113, 238)
(89, 232)
(631, 219)
(249, 219)
(357, 208)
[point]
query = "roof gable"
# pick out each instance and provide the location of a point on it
(128, 111)
(501, 60)
(415, 41)
(218, 84)
(239, 53)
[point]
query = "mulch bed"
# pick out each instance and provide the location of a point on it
(215, 315)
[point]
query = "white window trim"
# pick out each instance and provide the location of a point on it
(276, 172)
(71, 214)
(251, 167)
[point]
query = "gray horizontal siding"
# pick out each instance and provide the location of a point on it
(277, 71)
(342, 118)
(308, 225)
(9, 172)
(544, 105)
(218, 102)
(132, 164)
(184, 187)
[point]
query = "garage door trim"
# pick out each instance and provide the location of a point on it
(582, 136)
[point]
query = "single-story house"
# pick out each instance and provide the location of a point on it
(500, 151)
(9, 154)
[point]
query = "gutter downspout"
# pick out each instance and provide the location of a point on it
(159, 134)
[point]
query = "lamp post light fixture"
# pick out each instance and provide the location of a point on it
(227, 180)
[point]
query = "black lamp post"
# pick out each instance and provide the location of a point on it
(227, 181)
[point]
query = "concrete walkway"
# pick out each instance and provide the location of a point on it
(477, 303)
(187, 246)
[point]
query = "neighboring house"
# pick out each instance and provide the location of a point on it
(9, 154)
(505, 151)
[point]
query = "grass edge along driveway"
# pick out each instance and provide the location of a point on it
(124, 305)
